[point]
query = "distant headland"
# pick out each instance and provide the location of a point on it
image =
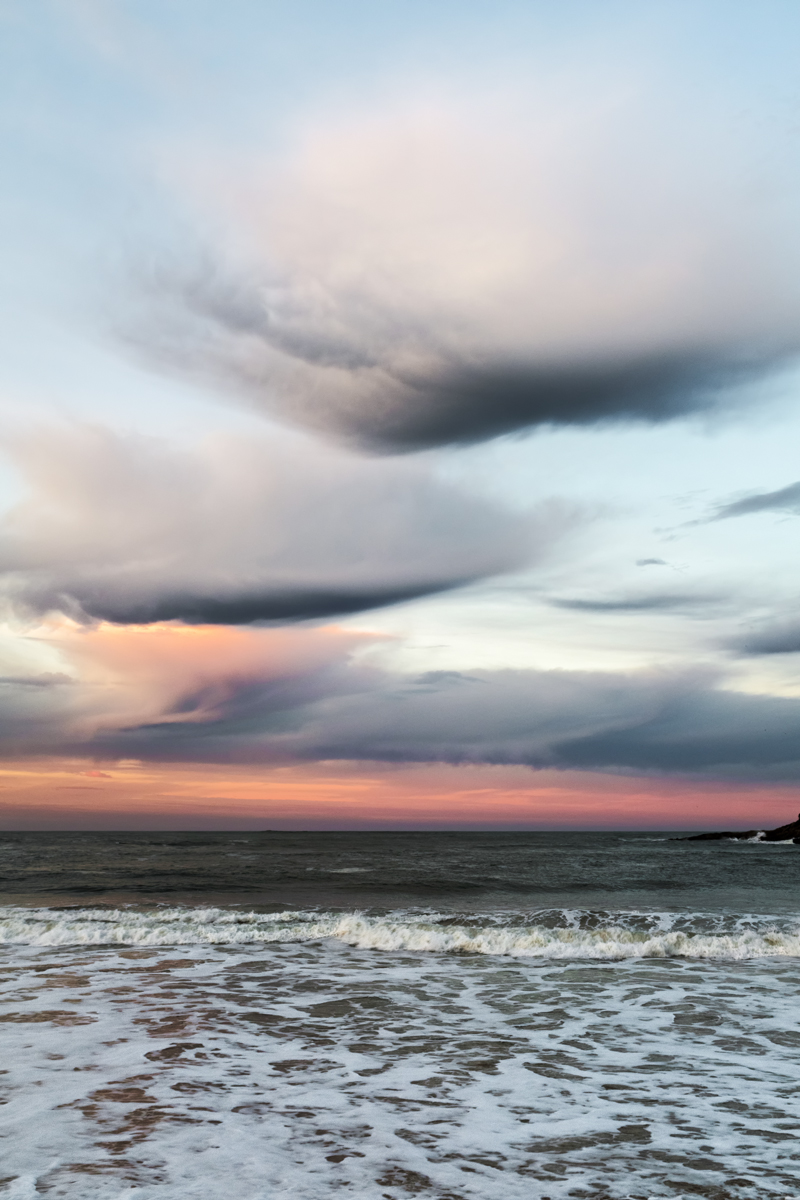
(783, 833)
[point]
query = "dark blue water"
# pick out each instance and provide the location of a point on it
(480, 871)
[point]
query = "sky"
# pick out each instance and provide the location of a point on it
(400, 411)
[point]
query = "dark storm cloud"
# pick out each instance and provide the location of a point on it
(784, 500)
(131, 530)
(485, 401)
(400, 396)
(469, 406)
(198, 608)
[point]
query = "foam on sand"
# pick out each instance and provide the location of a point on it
(313, 1068)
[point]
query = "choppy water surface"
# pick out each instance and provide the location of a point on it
(394, 1015)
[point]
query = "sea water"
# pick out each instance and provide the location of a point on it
(441, 1015)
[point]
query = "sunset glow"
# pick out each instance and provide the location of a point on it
(135, 795)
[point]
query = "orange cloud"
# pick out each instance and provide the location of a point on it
(139, 673)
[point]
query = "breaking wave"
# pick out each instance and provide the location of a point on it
(558, 934)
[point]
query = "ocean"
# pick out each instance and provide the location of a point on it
(450, 1016)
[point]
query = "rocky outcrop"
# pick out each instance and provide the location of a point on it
(784, 833)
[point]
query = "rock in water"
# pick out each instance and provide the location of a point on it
(783, 833)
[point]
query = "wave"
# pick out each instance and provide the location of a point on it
(562, 935)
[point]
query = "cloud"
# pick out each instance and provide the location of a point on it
(779, 637)
(645, 721)
(445, 271)
(784, 500)
(677, 722)
(130, 529)
(118, 677)
(183, 694)
(173, 675)
(651, 562)
(39, 710)
(667, 602)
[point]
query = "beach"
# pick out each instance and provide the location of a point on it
(468, 1022)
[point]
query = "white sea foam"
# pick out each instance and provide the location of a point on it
(609, 936)
(307, 1069)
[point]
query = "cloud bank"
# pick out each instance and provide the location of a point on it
(276, 696)
(447, 271)
(129, 529)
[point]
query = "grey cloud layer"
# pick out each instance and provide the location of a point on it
(679, 722)
(444, 274)
(130, 530)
